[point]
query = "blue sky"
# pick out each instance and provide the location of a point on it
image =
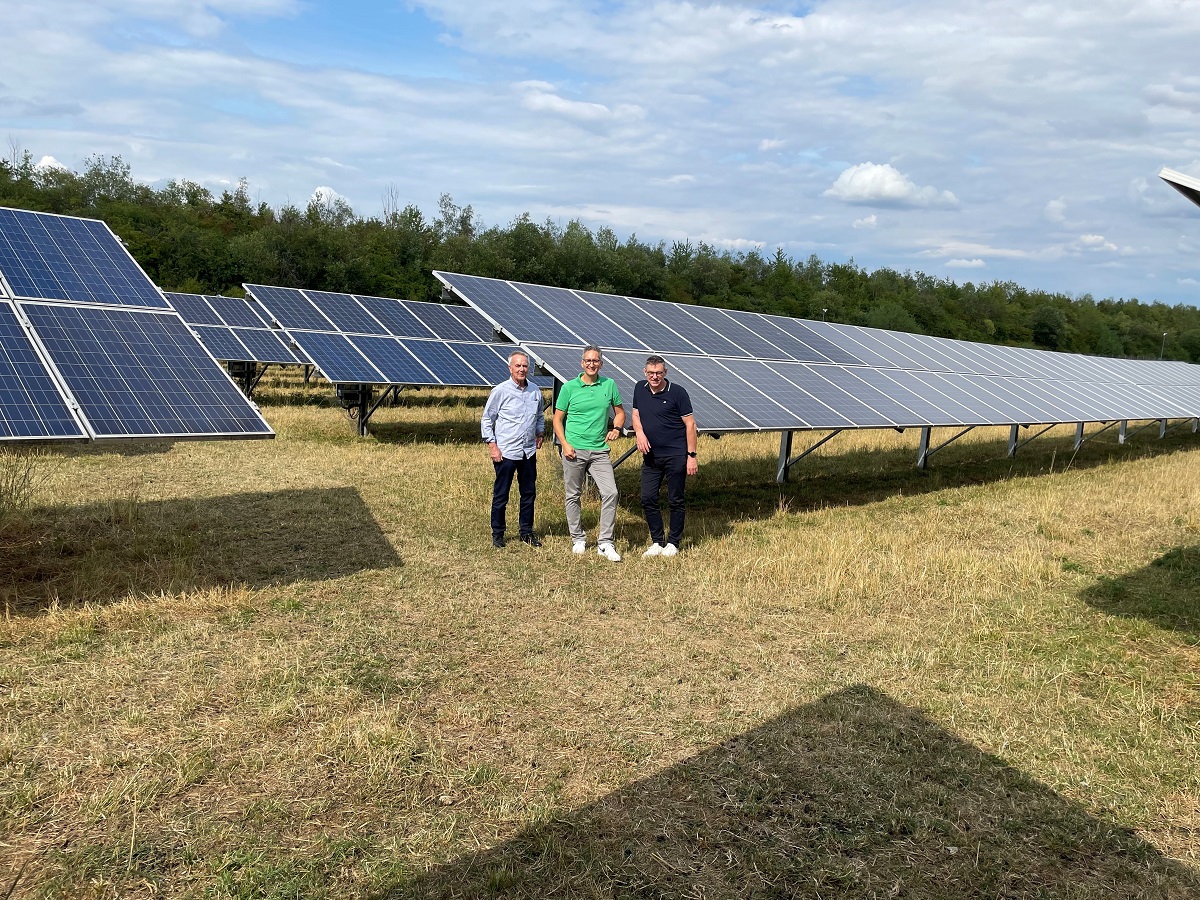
(978, 141)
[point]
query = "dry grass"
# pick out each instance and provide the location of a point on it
(299, 669)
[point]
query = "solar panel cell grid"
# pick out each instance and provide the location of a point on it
(338, 359)
(505, 305)
(396, 317)
(222, 343)
(588, 324)
(290, 308)
(265, 346)
(438, 357)
(679, 320)
(441, 321)
(31, 405)
(392, 359)
(345, 312)
(44, 256)
(194, 309)
(141, 373)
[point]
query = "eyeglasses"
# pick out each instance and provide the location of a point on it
(655, 373)
(591, 362)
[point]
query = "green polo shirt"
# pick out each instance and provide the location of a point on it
(587, 406)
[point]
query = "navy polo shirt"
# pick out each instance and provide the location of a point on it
(662, 415)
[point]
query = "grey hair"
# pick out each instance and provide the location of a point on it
(517, 353)
(656, 361)
(590, 347)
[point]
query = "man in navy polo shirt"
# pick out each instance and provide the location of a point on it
(666, 438)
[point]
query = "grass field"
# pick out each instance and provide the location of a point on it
(298, 669)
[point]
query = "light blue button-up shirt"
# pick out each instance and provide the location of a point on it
(513, 418)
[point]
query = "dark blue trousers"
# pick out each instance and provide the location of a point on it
(525, 471)
(656, 470)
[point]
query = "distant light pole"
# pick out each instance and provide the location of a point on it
(823, 311)
(1163, 349)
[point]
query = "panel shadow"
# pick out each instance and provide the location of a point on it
(1166, 592)
(101, 552)
(853, 795)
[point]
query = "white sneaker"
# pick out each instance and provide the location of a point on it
(579, 547)
(670, 550)
(655, 550)
(609, 552)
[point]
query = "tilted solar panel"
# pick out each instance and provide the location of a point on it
(138, 373)
(31, 404)
(764, 372)
(49, 257)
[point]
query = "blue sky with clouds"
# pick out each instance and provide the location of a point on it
(977, 141)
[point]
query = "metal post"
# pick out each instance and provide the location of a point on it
(1078, 435)
(1013, 433)
(923, 452)
(1124, 429)
(1162, 428)
(785, 452)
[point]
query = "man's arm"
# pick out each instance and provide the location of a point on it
(693, 466)
(560, 420)
(643, 442)
(540, 425)
(487, 425)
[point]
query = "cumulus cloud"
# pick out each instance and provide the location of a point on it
(966, 263)
(1097, 242)
(770, 144)
(869, 222)
(882, 185)
(1056, 211)
(49, 162)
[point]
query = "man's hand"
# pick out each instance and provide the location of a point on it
(494, 452)
(693, 466)
(643, 443)
(538, 442)
(568, 451)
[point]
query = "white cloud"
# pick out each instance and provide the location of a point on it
(770, 144)
(869, 222)
(1097, 242)
(966, 263)
(1056, 211)
(1188, 282)
(49, 162)
(540, 97)
(871, 184)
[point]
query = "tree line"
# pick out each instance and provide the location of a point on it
(188, 239)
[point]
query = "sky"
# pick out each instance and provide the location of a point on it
(974, 141)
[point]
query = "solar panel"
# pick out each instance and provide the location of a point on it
(290, 308)
(49, 257)
(395, 315)
(221, 342)
(194, 309)
(762, 372)
(345, 312)
(31, 405)
(138, 373)
(237, 313)
(266, 346)
(338, 359)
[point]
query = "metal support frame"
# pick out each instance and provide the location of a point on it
(785, 449)
(925, 452)
(246, 374)
(1014, 446)
(1126, 434)
(1080, 440)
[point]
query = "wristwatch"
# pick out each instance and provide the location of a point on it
(692, 454)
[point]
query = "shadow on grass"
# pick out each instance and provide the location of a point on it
(854, 795)
(1166, 592)
(103, 552)
(728, 491)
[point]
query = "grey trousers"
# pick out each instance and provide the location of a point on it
(599, 464)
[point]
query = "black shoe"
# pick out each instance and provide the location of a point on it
(531, 540)
(498, 541)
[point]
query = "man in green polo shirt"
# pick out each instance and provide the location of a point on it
(581, 426)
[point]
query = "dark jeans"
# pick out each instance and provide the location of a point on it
(526, 472)
(655, 470)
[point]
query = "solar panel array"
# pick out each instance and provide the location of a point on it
(90, 349)
(234, 330)
(356, 339)
(755, 372)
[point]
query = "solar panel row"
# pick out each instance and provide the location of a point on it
(355, 339)
(89, 348)
(749, 371)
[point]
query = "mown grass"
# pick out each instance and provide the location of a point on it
(298, 668)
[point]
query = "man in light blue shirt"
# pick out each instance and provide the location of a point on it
(514, 421)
